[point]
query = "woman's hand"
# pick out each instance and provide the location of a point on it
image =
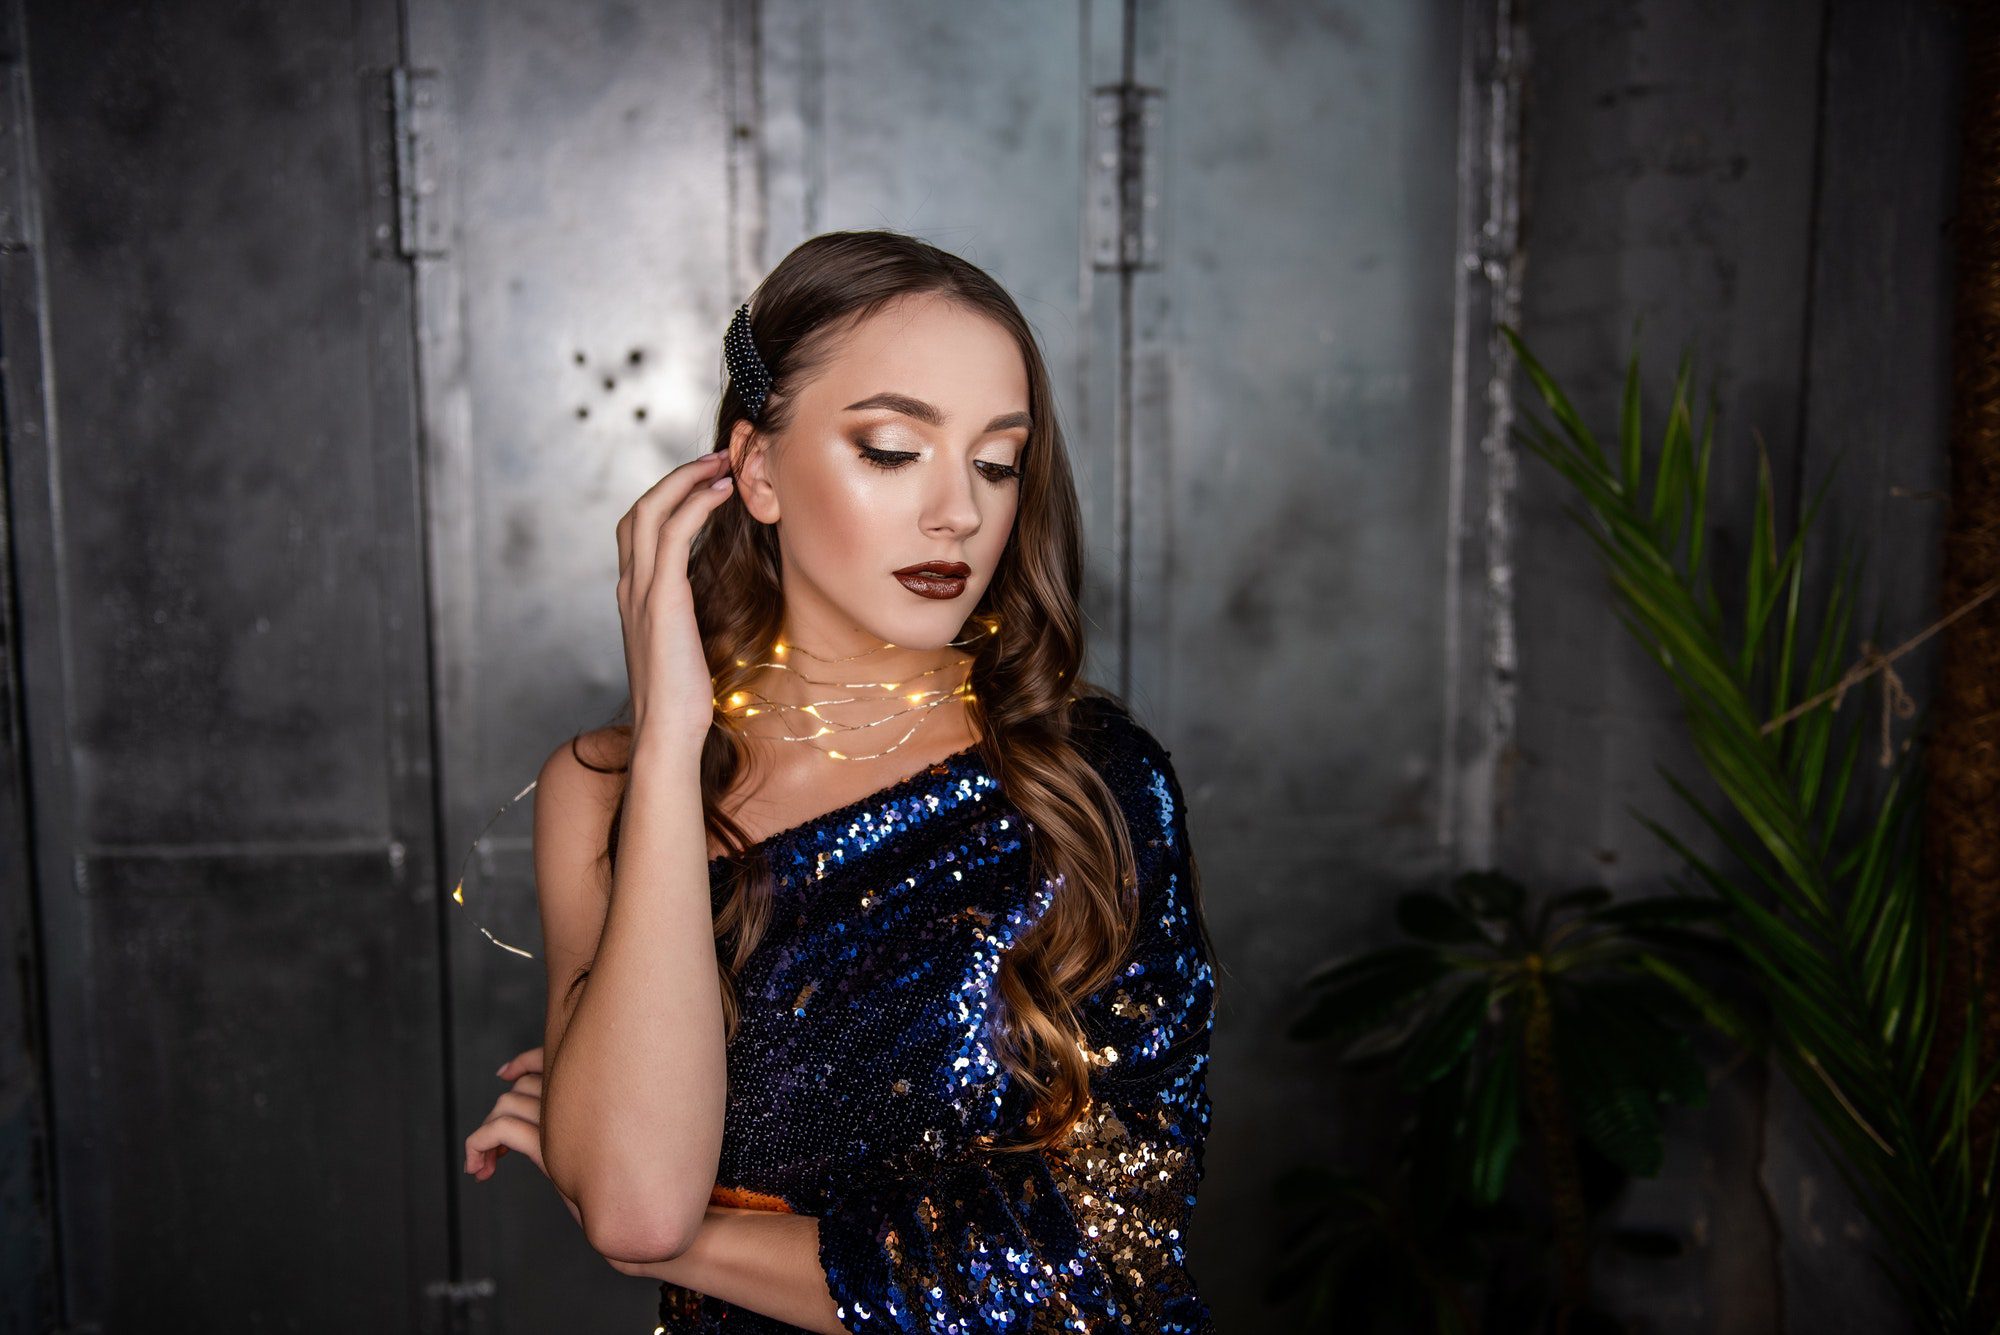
(515, 1122)
(672, 692)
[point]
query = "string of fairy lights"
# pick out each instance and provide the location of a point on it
(745, 704)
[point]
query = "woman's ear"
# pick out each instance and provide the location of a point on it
(749, 464)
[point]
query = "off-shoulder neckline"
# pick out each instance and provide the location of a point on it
(839, 814)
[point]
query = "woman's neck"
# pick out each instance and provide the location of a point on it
(861, 703)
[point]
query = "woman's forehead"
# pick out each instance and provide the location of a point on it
(957, 361)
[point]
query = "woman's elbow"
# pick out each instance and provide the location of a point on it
(622, 1232)
(635, 1248)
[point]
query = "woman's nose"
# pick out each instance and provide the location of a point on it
(951, 504)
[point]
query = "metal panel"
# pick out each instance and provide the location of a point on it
(30, 1288)
(217, 520)
(1291, 389)
(570, 348)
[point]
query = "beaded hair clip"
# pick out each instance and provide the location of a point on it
(746, 368)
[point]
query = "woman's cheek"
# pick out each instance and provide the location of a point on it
(843, 533)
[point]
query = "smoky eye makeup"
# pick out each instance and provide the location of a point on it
(890, 460)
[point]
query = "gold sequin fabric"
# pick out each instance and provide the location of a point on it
(864, 1089)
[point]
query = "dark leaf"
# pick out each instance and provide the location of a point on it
(1363, 1000)
(1616, 1112)
(1389, 957)
(1442, 1041)
(1494, 1133)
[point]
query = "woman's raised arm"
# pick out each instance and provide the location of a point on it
(632, 1101)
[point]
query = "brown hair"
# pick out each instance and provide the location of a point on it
(1023, 678)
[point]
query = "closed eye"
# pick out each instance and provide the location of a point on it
(893, 459)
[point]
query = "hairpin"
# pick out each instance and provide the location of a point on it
(746, 368)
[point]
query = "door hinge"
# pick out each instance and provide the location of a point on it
(413, 220)
(1125, 178)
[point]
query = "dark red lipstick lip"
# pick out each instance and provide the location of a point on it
(942, 569)
(925, 586)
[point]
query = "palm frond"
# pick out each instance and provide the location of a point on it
(1826, 889)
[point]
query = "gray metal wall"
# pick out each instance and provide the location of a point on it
(217, 546)
(313, 463)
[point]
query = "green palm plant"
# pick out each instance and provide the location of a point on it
(1506, 1019)
(1825, 882)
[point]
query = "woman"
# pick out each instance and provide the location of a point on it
(920, 1043)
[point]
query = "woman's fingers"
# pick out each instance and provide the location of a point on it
(639, 542)
(677, 529)
(516, 1120)
(673, 537)
(520, 1062)
(499, 1133)
(527, 1107)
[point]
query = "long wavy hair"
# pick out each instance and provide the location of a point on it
(1029, 649)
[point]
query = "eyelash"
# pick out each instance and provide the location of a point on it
(889, 460)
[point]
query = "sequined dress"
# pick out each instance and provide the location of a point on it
(863, 1080)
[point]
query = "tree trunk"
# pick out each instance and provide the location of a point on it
(1962, 757)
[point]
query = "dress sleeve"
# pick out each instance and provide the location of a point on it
(1087, 1236)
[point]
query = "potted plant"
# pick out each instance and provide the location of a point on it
(1564, 1024)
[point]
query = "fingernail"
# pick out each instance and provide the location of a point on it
(502, 1070)
(721, 483)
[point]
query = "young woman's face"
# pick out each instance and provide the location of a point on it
(905, 448)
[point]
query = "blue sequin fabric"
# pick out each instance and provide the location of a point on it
(864, 1088)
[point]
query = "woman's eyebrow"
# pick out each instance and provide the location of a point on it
(928, 413)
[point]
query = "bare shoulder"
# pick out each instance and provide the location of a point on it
(588, 765)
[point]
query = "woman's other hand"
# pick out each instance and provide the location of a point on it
(515, 1122)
